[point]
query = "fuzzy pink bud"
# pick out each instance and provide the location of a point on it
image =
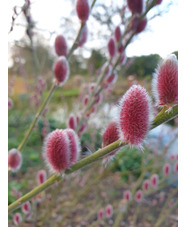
(85, 101)
(14, 160)
(82, 9)
(135, 6)
(61, 70)
(138, 25)
(74, 145)
(107, 71)
(98, 98)
(56, 151)
(83, 36)
(109, 211)
(10, 103)
(165, 82)
(72, 122)
(93, 109)
(41, 176)
(91, 87)
(138, 196)
(61, 47)
(154, 180)
(111, 47)
(112, 79)
(26, 208)
(17, 218)
(127, 196)
(117, 33)
(110, 135)
(101, 213)
(166, 169)
(141, 26)
(158, 2)
(121, 48)
(134, 115)
(82, 129)
(146, 185)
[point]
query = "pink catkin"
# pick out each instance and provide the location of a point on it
(127, 195)
(17, 218)
(101, 213)
(74, 145)
(61, 47)
(61, 70)
(85, 100)
(134, 115)
(146, 185)
(26, 208)
(111, 79)
(41, 176)
(111, 47)
(154, 180)
(138, 196)
(117, 33)
(165, 82)
(56, 151)
(91, 87)
(141, 26)
(158, 2)
(135, 6)
(14, 160)
(83, 36)
(109, 211)
(98, 98)
(82, 129)
(110, 135)
(82, 9)
(10, 103)
(108, 70)
(72, 122)
(166, 169)
(138, 25)
(121, 48)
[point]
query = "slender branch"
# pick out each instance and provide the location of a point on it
(162, 117)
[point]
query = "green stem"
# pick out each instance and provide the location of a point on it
(53, 179)
(162, 117)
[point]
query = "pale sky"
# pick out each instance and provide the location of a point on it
(161, 35)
